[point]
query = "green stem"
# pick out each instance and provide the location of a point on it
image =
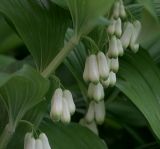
(60, 57)
(6, 136)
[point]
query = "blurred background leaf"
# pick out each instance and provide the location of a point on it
(86, 13)
(40, 24)
(17, 99)
(140, 81)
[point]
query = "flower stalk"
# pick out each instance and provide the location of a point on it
(6, 136)
(60, 57)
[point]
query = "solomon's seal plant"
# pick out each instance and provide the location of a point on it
(79, 74)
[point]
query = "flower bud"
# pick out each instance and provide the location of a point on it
(134, 48)
(118, 27)
(111, 27)
(93, 69)
(138, 27)
(102, 65)
(136, 31)
(66, 116)
(90, 90)
(106, 83)
(126, 36)
(92, 126)
(100, 112)
(56, 105)
(68, 96)
(38, 144)
(116, 9)
(113, 50)
(29, 142)
(122, 11)
(120, 48)
(112, 79)
(90, 113)
(114, 65)
(45, 141)
(85, 73)
(98, 92)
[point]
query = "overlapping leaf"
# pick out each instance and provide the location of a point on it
(149, 6)
(21, 91)
(85, 13)
(72, 136)
(40, 24)
(140, 81)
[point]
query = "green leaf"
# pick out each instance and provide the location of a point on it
(83, 138)
(85, 13)
(150, 30)
(118, 109)
(21, 91)
(148, 5)
(140, 81)
(71, 136)
(40, 24)
(5, 61)
(8, 39)
(61, 3)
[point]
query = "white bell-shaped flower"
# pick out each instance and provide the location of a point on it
(135, 48)
(102, 65)
(71, 105)
(118, 27)
(86, 73)
(100, 112)
(90, 90)
(113, 49)
(126, 36)
(93, 69)
(45, 141)
(122, 10)
(38, 144)
(89, 117)
(114, 66)
(106, 83)
(138, 26)
(111, 27)
(98, 92)
(116, 8)
(92, 126)
(66, 116)
(136, 31)
(29, 141)
(112, 78)
(56, 105)
(120, 48)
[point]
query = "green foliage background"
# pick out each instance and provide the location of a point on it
(43, 38)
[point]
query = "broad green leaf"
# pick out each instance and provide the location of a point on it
(71, 136)
(148, 5)
(61, 3)
(21, 91)
(85, 13)
(125, 112)
(5, 61)
(8, 39)
(150, 30)
(140, 81)
(75, 62)
(83, 138)
(40, 24)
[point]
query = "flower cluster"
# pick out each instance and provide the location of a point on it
(62, 106)
(100, 69)
(40, 143)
